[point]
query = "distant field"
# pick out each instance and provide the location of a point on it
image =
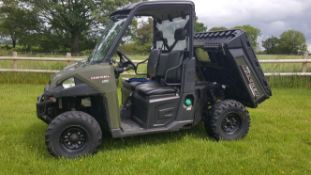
(263, 56)
(43, 78)
(297, 67)
(52, 65)
(279, 142)
(61, 65)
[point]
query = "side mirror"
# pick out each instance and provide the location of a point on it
(180, 34)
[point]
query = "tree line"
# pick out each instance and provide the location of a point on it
(55, 24)
(72, 25)
(289, 42)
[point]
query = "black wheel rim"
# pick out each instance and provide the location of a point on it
(231, 123)
(73, 138)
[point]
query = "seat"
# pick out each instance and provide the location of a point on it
(154, 88)
(151, 71)
(168, 71)
(133, 82)
(164, 70)
(155, 103)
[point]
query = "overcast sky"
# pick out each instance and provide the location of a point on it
(272, 17)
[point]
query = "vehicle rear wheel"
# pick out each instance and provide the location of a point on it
(228, 120)
(73, 134)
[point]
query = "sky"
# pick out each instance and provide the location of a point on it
(272, 17)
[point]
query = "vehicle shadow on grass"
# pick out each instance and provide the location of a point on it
(110, 144)
(34, 139)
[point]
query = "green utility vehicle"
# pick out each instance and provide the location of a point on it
(191, 78)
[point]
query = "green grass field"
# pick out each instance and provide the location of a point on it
(279, 142)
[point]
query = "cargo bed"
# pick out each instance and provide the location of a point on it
(230, 60)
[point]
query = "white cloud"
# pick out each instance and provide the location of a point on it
(272, 16)
(241, 10)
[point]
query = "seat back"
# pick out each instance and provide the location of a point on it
(169, 66)
(170, 63)
(153, 63)
(154, 56)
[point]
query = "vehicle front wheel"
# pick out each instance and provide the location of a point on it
(228, 120)
(73, 134)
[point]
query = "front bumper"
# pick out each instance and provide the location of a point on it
(46, 108)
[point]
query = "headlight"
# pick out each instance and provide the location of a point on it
(69, 83)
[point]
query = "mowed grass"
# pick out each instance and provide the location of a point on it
(279, 142)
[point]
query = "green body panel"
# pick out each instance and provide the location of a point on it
(101, 77)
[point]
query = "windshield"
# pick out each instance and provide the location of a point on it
(112, 29)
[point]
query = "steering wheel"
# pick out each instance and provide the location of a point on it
(125, 62)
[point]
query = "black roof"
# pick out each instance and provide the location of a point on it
(127, 8)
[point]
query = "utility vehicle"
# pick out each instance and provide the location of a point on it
(191, 78)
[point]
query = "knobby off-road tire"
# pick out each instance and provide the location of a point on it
(228, 120)
(73, 134)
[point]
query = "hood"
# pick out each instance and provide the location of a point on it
(66, 73)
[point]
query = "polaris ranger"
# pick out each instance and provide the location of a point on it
(191, 77)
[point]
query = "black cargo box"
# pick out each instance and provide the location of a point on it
(232, 62)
